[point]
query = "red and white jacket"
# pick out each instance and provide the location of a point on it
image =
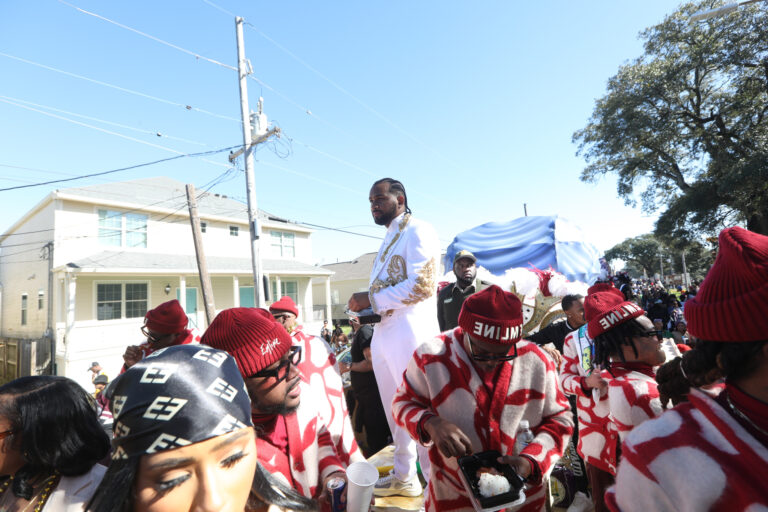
(310, 455)
(597, 441)
(321, 384)
(633, 396)
(694, 457)
(441, 379)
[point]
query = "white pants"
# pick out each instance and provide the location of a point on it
(392, 348)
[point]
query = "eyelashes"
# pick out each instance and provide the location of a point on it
(166, 486)
(231, 461)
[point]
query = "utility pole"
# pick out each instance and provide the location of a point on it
(686, 280)
(661, 266)
(48, 251)
(202, 264)
(248, 145)
(525, 209)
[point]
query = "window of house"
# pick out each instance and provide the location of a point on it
(334, 296)
(234, 230)
(122, 229)
(289, 288)
(121, 300)
(203, 226)
(40, 297)
(23, 309)
(283, 244)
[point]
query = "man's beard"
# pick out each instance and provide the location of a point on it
(386, 217)
(282, 408)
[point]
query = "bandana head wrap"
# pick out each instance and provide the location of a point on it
(175, 397)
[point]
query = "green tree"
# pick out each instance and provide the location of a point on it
(640, 253)
(686, 123)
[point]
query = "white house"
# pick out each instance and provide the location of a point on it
(120, 249)
(348, 277)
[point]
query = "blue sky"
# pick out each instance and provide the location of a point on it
(471, 104)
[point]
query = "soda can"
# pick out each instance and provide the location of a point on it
(336, 487)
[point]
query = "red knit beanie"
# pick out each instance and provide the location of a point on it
(732, 303)
(284, 304)
(250, 335)
(604, 310)
(492, 315)
(603, 287)
(167, 318)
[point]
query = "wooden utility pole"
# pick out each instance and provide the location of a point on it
(202, 266)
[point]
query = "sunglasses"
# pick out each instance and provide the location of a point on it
(280, 317)
(489, 357)
(654, 334)
(293, 359)
(151, 337)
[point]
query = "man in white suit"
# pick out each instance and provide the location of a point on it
(402, 290)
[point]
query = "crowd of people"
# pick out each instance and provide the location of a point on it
(252, 415)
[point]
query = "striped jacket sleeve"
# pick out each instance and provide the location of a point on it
(329, 461)
(631, 403)
(571, 379)
(556, 427)
(411, 403)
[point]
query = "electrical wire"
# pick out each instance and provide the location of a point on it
(105, 131)
(140, 130)
(156, 39)
(128, 168)
(122, 89)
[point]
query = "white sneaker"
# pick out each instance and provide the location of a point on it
(392, 486)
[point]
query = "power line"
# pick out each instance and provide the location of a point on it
(140, 130)
(122, 89)
(104, 131)
(156, 39)
(130, 167)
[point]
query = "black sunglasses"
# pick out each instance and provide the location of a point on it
(294, 357)
(487, 357)
(151, 337)
(654, 334)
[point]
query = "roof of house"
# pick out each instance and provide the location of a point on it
(149, 263)
(359, 268)
(161, 192)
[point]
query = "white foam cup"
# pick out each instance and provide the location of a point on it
(361, 477)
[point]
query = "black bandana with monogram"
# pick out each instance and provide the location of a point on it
(175, 397)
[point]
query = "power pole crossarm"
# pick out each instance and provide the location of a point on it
(274, 131)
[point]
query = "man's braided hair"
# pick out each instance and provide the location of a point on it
(396, 188)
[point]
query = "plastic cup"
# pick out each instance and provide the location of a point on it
(361, 478)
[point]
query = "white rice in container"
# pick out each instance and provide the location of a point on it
(492, 485)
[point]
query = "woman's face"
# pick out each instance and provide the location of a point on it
(212, 475)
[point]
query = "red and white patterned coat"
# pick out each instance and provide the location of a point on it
(441, 379)
(633, 396)
(311, 454)
(321, 384)
(597, 441)
(695, 457)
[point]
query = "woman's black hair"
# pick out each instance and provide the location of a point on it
(396, 188)
(115, 492)
(708, 362)
(609, 343)
(267, 490)
(54, 426)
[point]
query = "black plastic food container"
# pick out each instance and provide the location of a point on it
(469, 466)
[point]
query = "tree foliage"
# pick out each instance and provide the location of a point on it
(685, 125)
(642, 253)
